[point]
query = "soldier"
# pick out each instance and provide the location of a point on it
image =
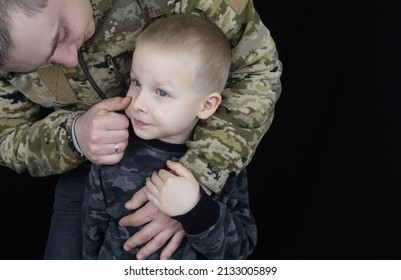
(179, 68)
(61, 58)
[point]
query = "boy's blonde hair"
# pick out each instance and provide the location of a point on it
(197, 43)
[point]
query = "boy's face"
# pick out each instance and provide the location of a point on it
(164, 106)
(54, 35)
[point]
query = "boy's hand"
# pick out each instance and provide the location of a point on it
(174, 192)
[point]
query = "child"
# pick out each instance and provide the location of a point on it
(180, 65)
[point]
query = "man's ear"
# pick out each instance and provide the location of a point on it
(210, 105)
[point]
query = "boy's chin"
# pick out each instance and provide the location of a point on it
(142, 135)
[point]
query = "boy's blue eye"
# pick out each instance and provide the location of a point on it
(136, 83)
(160, 92)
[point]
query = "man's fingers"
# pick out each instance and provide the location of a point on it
(153, 245)
(114, 104)
(172, 245)
(143, 215)
(137, 200)
(145, 234)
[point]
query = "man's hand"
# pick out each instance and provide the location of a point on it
(158, 230)
(102, 133)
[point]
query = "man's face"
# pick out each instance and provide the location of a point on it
(54, 35)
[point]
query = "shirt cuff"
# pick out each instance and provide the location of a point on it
(74, 138)
(204, 214)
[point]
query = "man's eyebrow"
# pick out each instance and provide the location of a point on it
(54, 44)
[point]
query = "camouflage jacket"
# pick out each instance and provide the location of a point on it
(38, 109)
(218, 227)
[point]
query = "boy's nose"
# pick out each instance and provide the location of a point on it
(139, 103)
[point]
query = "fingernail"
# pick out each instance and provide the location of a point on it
(139, 257)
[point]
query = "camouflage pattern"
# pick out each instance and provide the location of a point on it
(232, 236)
(36, 116)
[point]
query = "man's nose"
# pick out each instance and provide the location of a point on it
(66, 56)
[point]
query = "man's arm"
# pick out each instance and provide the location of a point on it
(30, 140)
(39, 140)
(226, 142)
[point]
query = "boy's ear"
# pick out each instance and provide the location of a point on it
(210, 105)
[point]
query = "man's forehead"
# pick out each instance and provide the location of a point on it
(34, 42)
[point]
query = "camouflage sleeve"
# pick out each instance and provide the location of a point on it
(95, 218)
(30, 142)
(234, 234)
(226, 142)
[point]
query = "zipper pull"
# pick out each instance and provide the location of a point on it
(112, 67)
(110, 63)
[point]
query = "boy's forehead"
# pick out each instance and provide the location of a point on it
(159, 68)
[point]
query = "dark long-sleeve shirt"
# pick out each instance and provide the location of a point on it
(220, 226)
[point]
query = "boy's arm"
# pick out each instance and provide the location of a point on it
(226, 142)
(223, 227)
(218, 226)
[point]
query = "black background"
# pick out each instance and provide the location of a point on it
(325, 182)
